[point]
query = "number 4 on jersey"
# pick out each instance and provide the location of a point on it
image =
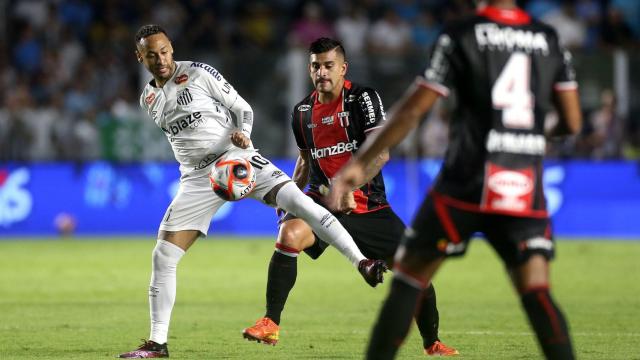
(512, 95)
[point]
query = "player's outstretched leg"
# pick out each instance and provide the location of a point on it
(148, 350)
(329, 229)
(428, 321)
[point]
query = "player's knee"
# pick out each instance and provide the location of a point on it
(533, 274)
(165, 255)
(295, 235)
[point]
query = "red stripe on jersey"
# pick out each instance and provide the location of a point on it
(505, 16)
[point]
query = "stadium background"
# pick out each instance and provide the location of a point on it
(76, 153)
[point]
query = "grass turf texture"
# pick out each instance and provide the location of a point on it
(85, 299)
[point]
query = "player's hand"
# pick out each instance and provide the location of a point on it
(343, 183)
(347, 202)
(240, 140)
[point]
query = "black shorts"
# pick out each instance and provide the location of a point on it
(443, 228)
(377, 233)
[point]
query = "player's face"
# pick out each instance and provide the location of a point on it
(156, 53)
(327, 71)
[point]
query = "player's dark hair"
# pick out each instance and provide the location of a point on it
(324, 44)
(148, 30)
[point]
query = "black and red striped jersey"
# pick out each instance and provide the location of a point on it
(332, 132)
(504, 68)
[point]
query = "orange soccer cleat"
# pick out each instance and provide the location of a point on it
(440, 349)
(265, 330)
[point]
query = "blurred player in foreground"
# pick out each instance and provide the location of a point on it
(507, 71)
(329, 125)
(193, 104)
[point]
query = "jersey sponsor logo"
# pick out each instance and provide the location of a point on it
(304, 107)
(368, 108)
(184, 97)
(492, 37)
(210, 69)
(327, 120)
(276, 174)
(190, 121)
(311, 125)
(182, 78)
(150, 98)
(339, 148)
(526, 144)
(351, 98)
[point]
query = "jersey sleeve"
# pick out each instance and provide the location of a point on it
(372, 110)
(221, 90)
(296, 126)
(566, 76)
(439, 73)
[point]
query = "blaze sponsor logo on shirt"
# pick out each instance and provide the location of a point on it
(150, 98)
(190, 121)
(181, 79)
(336, 149)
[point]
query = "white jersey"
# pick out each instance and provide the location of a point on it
(194, 109)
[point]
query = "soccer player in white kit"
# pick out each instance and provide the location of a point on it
(205, 119)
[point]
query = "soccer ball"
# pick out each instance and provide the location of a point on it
(232, 178)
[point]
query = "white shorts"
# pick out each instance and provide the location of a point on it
(195, 203)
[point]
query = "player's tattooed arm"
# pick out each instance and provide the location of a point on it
(373, 168)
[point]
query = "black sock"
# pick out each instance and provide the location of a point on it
(393, 321)
(548, 323)
(283, 270)
(427, 317)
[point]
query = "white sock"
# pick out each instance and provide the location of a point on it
(162, 290)
(323, 223)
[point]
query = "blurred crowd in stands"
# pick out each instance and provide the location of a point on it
(69, 82)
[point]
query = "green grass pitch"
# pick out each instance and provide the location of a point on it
(87, 299)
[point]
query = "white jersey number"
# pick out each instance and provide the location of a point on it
(512, 95)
